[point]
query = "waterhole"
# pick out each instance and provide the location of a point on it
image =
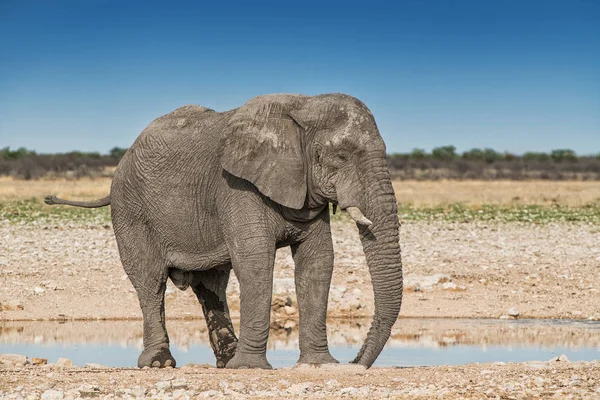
(414, 342)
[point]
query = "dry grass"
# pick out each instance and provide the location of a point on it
(417, 193)
(80, 189)
(500, 193)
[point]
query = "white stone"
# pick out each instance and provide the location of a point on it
(352, 391)
(424, 282)
(13, 359)
(209, 393)
(449, 286)
(179, 383)
(53, 395)
(332, 383)
(38, 290)
(289, 310)
(301, 388)
(94, 365)
(64, 362)
(513, 312)
(163, 385)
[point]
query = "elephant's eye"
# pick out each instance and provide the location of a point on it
(343, 157)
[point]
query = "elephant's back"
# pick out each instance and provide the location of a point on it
(187, 131)
(170, 153)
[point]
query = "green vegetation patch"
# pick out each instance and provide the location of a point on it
(536, 214)
(35, 212)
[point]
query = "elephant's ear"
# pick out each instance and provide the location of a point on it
(263, 144)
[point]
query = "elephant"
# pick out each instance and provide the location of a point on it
(202, 192)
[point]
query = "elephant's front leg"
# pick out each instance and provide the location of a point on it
(314, 266)
(253, 258)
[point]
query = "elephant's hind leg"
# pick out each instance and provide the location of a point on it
(147, 272)
(210, 288)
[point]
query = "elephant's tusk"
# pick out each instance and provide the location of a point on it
(358, 216)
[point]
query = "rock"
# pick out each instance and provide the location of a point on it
(15, 360)
(88, 390)
(94, 365)
(64, 362)
(180, 383)
(181, 394)
(38, 290)
(163, 385)
(352, 391)
(53, 395)
(280, 302)
(301, 388)
(289, 324)
(513, 312)
(449, 286)
(238, 386)
(39, 361)
(289, 310)
(424, 282)
(562, 358)
(332, 384)
(209, 393)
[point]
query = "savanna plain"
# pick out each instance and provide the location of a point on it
(501, 251)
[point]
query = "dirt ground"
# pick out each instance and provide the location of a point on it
(534, 380)
(451, 270)
(471, 270)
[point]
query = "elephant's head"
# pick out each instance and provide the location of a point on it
(303, 152)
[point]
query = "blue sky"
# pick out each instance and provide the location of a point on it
(511, 75)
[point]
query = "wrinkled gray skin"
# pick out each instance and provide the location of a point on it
(201, 192)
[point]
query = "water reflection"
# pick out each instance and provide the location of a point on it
(413, 341)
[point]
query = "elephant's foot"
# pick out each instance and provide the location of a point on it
(316, 358)
(156, 357)
(226, 354)
(247, 360)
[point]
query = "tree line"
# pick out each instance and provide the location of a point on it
(442, 162)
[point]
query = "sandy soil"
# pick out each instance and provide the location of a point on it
(451, 270)
(534, 380)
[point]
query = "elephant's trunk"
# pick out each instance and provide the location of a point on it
(382, 251)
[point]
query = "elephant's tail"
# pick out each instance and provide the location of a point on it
(103, 202)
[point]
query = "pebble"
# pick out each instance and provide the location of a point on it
(38, 290)
(513, 312)
(209, 393)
